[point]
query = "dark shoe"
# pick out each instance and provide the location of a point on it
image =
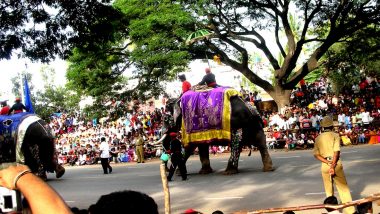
(105, 173)
(185, 179)
(110, 170)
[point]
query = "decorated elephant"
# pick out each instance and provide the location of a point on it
(25, 138)
(218, 117)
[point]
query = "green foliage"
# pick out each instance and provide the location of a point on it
(248, 84)
(310, 27)
(17, 87)
(314, 75)
(42, 29)
(158, 30)
(357, 56)
(152, 47)
(92, 74)
(52, 98)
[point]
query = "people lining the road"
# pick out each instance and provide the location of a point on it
(297, 125)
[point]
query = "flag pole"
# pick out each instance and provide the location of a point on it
(22, 95)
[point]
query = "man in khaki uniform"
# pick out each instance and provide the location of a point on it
(139, 142)
(327, 150)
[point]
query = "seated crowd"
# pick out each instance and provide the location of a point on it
(77, 142)
(356, 110)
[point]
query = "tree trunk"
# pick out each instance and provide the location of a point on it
(281, 97)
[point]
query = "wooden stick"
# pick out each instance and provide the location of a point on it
(373, 197)
(165, 185)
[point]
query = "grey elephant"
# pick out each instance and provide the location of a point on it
(26, 138)
(246, 129)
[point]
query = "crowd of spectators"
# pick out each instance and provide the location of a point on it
(77, 141)
(355, 111)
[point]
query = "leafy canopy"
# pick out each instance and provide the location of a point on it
(152, 48)
(43, 29)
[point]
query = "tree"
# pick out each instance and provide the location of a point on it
(43, 29)
(354, 58)
(17, 83)
(54, 98)
(235, 24)
(153, 50)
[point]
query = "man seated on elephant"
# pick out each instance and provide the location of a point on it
(18, 107)
(208, 79)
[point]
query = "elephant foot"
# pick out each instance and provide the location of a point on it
(59, 171)
(268, 169)
(230, 171)
(205, 171)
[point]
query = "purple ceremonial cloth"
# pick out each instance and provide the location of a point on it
(203, 110)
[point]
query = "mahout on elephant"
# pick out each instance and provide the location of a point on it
(27, 139)
(235, 123)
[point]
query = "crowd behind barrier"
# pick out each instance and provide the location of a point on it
(355, 111)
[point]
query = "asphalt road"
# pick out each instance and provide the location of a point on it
(296, 181)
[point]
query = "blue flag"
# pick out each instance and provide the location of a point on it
(27, 98)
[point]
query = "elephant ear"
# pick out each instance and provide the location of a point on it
(177, 111)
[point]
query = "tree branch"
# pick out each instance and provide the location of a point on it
(277, 29)
(242, 50)
(260, 45)
(240, 67)
(312, 63)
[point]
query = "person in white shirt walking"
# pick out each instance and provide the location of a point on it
(105, 155)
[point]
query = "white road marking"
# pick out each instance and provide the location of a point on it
(227, 161)
(298, 166)
(147, 175)
(362, 161)
(288, 157)
(315, 193)
(224, 198)
(349, 152)
(70, 201)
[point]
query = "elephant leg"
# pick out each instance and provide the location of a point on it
(32, 159)
(233, 162)
(265, 157)
(40, 144)
(205, 159)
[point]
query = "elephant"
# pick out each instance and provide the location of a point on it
(246, 129)
(27, 139)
